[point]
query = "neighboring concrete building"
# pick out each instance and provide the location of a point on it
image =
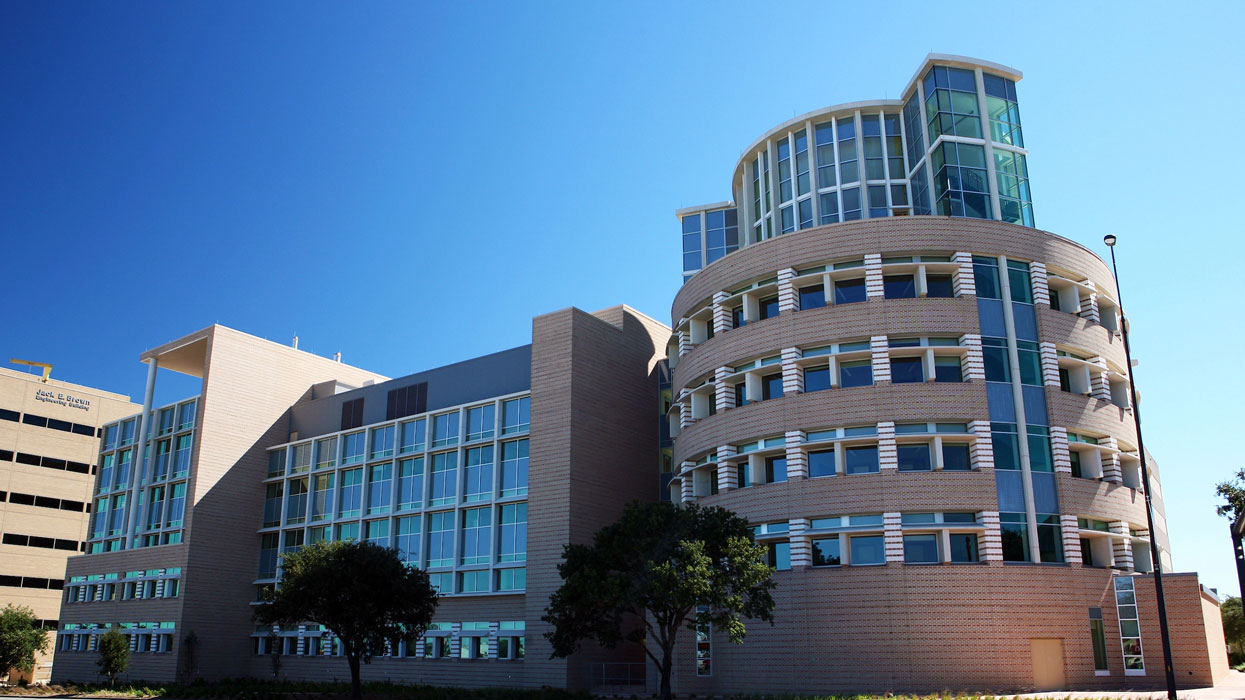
(48, 450)
(922, 403)
(479, 472)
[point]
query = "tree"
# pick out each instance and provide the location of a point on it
(20, 639)
(363, 593)
(660, 568)
(1234, 493)
(114, 654)
(1233, 625)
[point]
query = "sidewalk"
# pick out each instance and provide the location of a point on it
(1232, 687)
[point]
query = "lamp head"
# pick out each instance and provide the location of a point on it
(1109, 239)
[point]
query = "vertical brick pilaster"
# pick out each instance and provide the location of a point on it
(492, 639)
(873, 276)
(1099, 384)
(687, 483)
(1059, 450)
(685, 413)
(728, 478)
(1089, 308)
(1111, 469)
(1071, 540)
(1041, 288)
(1122, 547)
(964, 283)
(786, 291)
(974, 364)
(797, 461)
(456, 640)
(992, 538)
(801, 546)
(1050, 364)
(893, 536)
(721, 315)
(888, 456)
(792, 377)
(981, 451)
(881, 359)
(723, 399)
(685, 343)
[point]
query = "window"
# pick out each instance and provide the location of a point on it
(104, 482)
(775, 469)
(939, 286)
(691, 242)
(737, 317)
(768, 307)
(276, 463)
(514, 468)
(515, 415)
(1018, 281)
(826, 551)
(513, 580)
(177, 505)
(160, 469)
(963, 547)
(849, 291)
(741, 394)
(186, 416)
(352, 448)
(914, 458)
(406, 401)
(326, 453)
(410, 483)
(440, 539)
(272, 504)
(856, 373)
(351, 498)
(1098, 638)
(268, 555)
(477, 530)
(1015, 536)
(479, 474)
(955, 457)
(407, 540)
(377, 532)
(907, 370)
(947, 369)
(812, 297)
(300, 458)
(994, 356)
(821, 463)
(322, 497)
(1130, 626)
(899, 287)
(124, 460)
(296, 502)
(382, 442)
(862, 459)
(413, 437)
(445, 429)
(867, 550)
(704, 646)
(444, 478)
(1030, 363)
(778, 555)
(480, 421)
(379, 488)
(512, 533)
(986, 277)
(771, 386)
(921, 549)
(816, 379)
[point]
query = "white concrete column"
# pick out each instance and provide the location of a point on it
(141, 462)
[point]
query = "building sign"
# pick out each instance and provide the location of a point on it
(48, 396)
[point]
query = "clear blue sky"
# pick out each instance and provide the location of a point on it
(410, 183)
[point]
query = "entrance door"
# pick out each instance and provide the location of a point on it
(1047, 664)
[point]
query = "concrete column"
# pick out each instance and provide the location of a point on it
(141, 462)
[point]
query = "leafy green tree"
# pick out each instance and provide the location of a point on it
(20, 639)
(1233, 491)
(658, 569)
(114, 654)
(1233, 624)
(361, 592)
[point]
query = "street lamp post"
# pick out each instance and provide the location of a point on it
(1156, 561)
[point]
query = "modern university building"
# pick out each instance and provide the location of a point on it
(49, 442)
(919, 399)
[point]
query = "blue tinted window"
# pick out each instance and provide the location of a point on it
(816, 379)
(899, 287)
(812, 297)
(861, 459)
(914, 458)
(691, 223)
(856, 373)
(821, 463)
(849, 291)
(955, 457)
(907, 370)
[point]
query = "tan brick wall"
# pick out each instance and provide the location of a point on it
(18, 392)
